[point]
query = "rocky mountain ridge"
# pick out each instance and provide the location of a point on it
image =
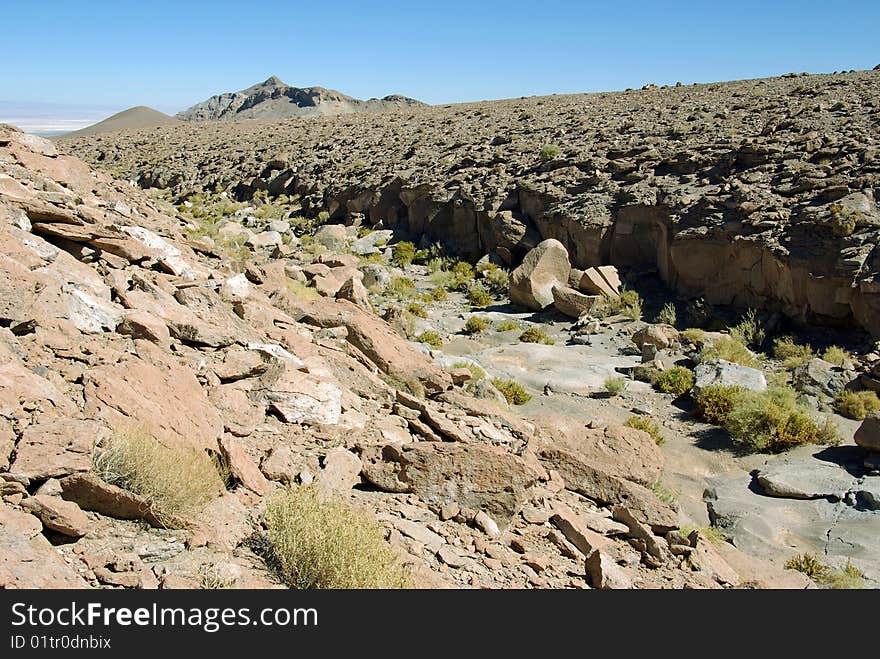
(274, 99)
(756, 193)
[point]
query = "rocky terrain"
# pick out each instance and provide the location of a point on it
(274, 99)
(509, 421)
(755, 193)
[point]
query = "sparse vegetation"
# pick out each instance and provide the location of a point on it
(773, 421)
(663, 493)
(495, 279)
(644, 423)
(628, 303)
(548, 153)
(177, 481)
(749, 330)
(507, 326)
(536, 335)
(644, 373)
(479, 296)
(856, 404)
(731, 350)
(712, 533)
(667, 314)
(320, 541)
(300, 290)
(477, 373)
(401, 288)
(513, 392)
(849, 578)
(843, 221)
(476, 325)
(615, 385)
(715, 403)
(791, 353)
(694, 336)
(416, 310)
(837, 356)
(677, 380)
(409, 386)
(403, 253)
(432, 338)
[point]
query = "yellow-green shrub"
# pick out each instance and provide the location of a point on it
(536, 335)
(677, 380)
(731, 350)
(856, 404)
(644, 423)
(512, 391)
(714, 403)
(791, 353)
(476, 325)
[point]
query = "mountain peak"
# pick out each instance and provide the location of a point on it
(275, 81)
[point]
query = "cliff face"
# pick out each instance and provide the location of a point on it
(753, 193)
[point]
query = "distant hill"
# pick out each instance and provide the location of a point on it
(274, 99)
(131, 119)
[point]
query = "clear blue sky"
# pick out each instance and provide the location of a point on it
(172, 54)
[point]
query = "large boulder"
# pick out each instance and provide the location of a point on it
(481, 478)
(718, 372)
(572, 303)
(868, 434)
(820, 378)
(661, 336)
(546, 266)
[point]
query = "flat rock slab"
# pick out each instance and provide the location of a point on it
(805, 479)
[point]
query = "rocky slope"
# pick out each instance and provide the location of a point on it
(110, 315)
(753, 193)
(274, 99)
(137, 118)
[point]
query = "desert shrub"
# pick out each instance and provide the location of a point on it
(548, 153)
(837, 356)
(177, 481)
(506, 326)
(403, 253)
(843, 221)
(644, 373)
(323, 217)
(677, 380)
(667, 314)
(664, 493)
(432, 338)
(417, 310)
(712, 533)
(749, 330)
(300, 290)
(320, 541)
(479, 296)
(694, 336)
(513, 392)
(731, 350)
(496, 279)
(477, 373)
(856, 404)
(536, 335)
(401, 287)
(644, 423)
(476, 325)
(615, 385)
(809, 564)
(791, 353)
(772, 421)
(438, 294)
(714, 403)
(849, 578)
(628, 303)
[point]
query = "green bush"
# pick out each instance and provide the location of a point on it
(856, 404)
(507, 326)
(773, 421)
(479, 296)
(837, 356)
(749, 331)
(715, 403)
(477, 373)
(401, 288)
(848, 578)
(476, 325)
(536, 335)
(512, 391)
(791, 353)
(549, 152)
(439, 294)
(644, 373)
(320, 541)
(403, 254)
(667, 315)
(731, 350)
(417, 310)
(628, 303)
(615, 385)
(496, 279)
(694, 336)
(677, 380)
(645, 424)
(432, 338)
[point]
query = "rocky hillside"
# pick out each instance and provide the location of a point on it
(137, 118)
(115, 320)
(274, 99)
(756, 193)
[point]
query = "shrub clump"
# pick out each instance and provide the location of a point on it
(856, 404)
(320, 541)
(512, 391)
(403, 253)
(667, 315)
(479, 296)
(548, 153)
(476, 325)
(615, 386)
(628, 303)
(791, 353)
(644, 423)
(507, 326)
(677, 380)
(731, 350)
(417, 310)
(432, 338)
(536, 335)
(401, 288)
(749, 331)
(716, 402)
(694, 336)
(849, 578)
(837, 356)
(177, 481)
(772, 421)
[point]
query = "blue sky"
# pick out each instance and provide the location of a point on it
(170, 55)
